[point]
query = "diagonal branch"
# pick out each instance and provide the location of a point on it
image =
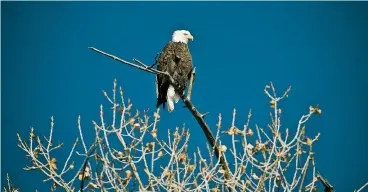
(197, 115)
(360, 189)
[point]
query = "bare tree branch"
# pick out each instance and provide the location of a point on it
(328, 187)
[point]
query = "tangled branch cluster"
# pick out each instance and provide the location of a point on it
(129, 155)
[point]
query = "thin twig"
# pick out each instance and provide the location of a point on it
(366, 184)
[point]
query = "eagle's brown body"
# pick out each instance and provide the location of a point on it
(177, 60)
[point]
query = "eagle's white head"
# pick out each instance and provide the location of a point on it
(182, 36)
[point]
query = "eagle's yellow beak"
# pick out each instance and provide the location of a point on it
(190, 37)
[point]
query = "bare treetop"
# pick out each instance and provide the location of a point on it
(131, 153)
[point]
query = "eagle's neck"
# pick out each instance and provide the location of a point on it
(180, 39)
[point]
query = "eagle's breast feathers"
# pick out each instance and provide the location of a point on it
(176, 59)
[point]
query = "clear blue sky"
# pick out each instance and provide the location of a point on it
(320, 48)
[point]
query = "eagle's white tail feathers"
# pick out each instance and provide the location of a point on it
(176, 98)
(171, 97)
(170, 105)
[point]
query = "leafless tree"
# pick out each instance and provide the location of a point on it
(130, 152)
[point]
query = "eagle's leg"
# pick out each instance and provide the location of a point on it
(191, 80)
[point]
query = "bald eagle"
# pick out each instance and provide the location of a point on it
(176, 59)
